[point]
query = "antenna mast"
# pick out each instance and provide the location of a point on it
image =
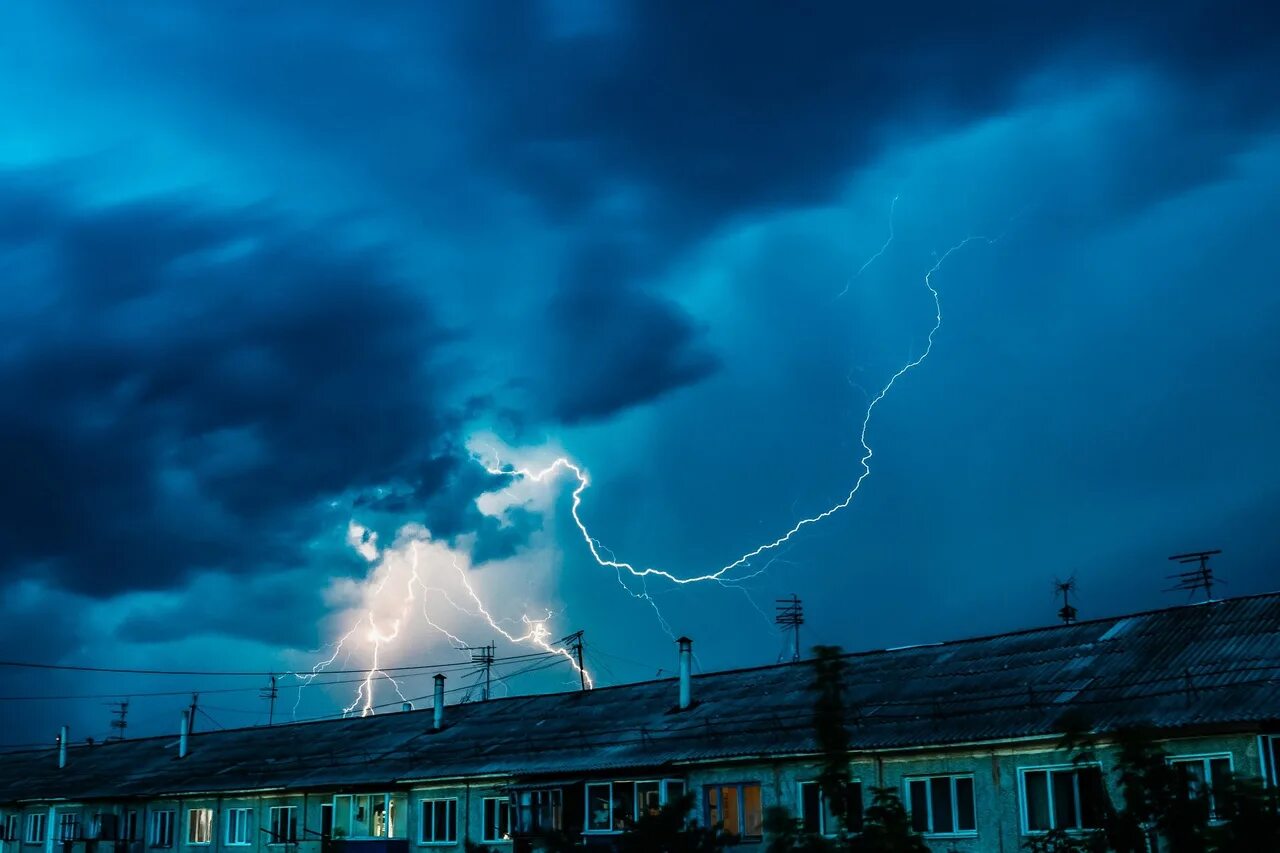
(120, 719)
(1198, 578)
(789, 617)
(483, 656)
(270, 693)
(1066, 612)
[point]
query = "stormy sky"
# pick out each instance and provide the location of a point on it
(274, 274)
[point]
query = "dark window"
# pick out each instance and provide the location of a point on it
(1203, 776)
(817, 816)
(440, 821)
(1066, 798)
(497, 819)
(942, 805)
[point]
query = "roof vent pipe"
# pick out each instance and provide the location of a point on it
(439, 702)
(184, 732)
(686, 667)
(62, 747)
(407, 706)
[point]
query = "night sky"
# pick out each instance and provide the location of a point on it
(275, 274)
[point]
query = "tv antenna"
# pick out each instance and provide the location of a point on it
(1067, 613)
(482, 656)
(1198, 578)
(789, 617)
(120, 719)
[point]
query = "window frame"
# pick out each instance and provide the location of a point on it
(204, 811)
(236, 817)
(13, 827)
(128, 826)
(1204, 759)
(34, 821)
(823, 811)
(451, 804)
(499, 803)
(69, 820)
(555, 803)
(741, 836)
(1049, 770)
(167, 817)
(927, 778)
(273, 839)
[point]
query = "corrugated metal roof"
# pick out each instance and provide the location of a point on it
(1210, 664)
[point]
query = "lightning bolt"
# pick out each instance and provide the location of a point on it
(582, 481)
(871, 260)
(536, 632)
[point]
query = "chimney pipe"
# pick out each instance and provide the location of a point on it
(62, 748)
(686, 667)
(406, 706)
(439, 702)
(184, 731)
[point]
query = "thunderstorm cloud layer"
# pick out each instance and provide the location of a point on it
(270, 275)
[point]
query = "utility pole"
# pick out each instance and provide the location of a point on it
(789, 617)
(576, 640)
(1066, 613)
(120, 721)
(191, 713)
(1198, 578)
(270, 693)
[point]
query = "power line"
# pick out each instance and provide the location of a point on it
(239, 673)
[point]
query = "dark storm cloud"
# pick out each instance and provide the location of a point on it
(615, 346)
(182, 382)
(711, 112)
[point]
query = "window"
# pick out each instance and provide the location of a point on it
(497, 819)
(737, 808)
(365, 816)
(817, 817)
(129, 827)
(35, 828)
(105, 826)
(237, 827)
(284, 824)
(11, 824)
(540, 810)
(942, 805)
(1203, 775)
(68, 826)
(1270, 755)
(439, 821)
(200, 826)
(162, 829)
(1064, 798)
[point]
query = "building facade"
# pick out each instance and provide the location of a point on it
(969, 733)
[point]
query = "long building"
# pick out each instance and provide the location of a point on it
(969, 732)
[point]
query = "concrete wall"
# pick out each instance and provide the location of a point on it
(994, 770)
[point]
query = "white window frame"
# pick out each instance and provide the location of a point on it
(1049, 770)
(236, 832)
(587, 829)
(353, 803)
(272, 822)
(1204, 759)
(13, 827)
(206, 823)
(69, 828)
(162, 825)
(451, 804)
(486, 829)
(37, 828)
(928, 778)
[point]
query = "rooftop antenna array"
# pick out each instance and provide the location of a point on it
(119, 719)
(789, 616)
(574, 642)
(1198, 578)
(1067, 613)
(483, 656)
